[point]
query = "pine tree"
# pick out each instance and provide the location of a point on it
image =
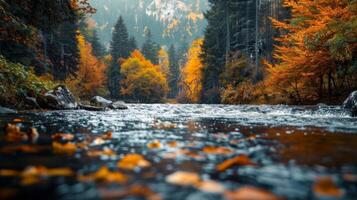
(174, 72)
(213, 51)
(98, 49)
(132, 44)
(118, 49)
(150, 49)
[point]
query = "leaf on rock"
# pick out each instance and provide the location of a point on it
(18, 120)
(217, 150)
(105, 175)
(154, 145)
(132, 161)
(66, 148)
(249, 193)
(241, 160)
(183, 178)
(62, 136)
(107, 135)
(326, 187)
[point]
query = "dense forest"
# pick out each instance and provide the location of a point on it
(278, 51)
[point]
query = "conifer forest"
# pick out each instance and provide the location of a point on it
(178, 99)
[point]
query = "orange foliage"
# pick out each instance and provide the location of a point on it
(142, 80)
(191, 80)
(91, 79)
(320, 41)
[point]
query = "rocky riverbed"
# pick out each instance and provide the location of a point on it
(164, 151)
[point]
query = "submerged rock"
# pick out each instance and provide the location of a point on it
(118, 105)
(351, 103)
(4, 110)
(100, 101)
(60, 98)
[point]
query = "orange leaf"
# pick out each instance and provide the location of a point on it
(241, 160)
(132, 161)
(67, 148)
(62, 136)
(105, 175)
(183, 178)
(250, 193)
(326, 187)
(154, 145)
(217, 150)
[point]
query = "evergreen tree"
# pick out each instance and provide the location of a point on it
(132, 44)
(98, 48)
(174, 72)
(213, 51)
(118, 49)
(150, 49)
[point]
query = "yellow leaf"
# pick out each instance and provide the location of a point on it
(183, 178)
(241, 160)
(67, 148)
(132, 161)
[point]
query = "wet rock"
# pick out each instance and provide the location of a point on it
(321, 105)
(100, 102)
(351, 103)
(31, 103)
(118, 105)
(91, 108)
(4, 110)
(60, 98)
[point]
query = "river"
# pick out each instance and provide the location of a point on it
(291, 147)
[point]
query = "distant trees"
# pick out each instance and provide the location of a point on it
(119, 49)
(191, 75)
(174, 76)
(317, 56)
(164, 62)
(141, 80)
(150, 49)
(90, 78)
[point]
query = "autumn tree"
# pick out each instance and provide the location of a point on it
(191, 79)
(318, 52)
(142, 81)
(164, 63)
(90, 79)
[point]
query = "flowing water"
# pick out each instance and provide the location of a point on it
(291, 146)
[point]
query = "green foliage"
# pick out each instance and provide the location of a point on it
(150, 49)
(16, 82)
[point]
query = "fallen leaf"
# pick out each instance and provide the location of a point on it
(217, 150)
(62, 136)
(154, 145)
(326, 187)
(66, 148)
(210, 186)
(172, 144)
(14, 134)
(249, 193)
(17, 120)
(183, 178)
(105, 175)
(104, 152)
(241, 160)
(132, 161)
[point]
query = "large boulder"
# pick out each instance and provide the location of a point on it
(118, 105)
(60, 98)
(4, 110)
(351, 103)
(100, 101)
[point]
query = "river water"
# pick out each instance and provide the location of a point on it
(292, 147)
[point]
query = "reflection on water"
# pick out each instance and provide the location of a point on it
(292, 147)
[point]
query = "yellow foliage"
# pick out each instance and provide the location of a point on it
(164, 63)
(191, 73)
(90, 79)
(142, 80)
